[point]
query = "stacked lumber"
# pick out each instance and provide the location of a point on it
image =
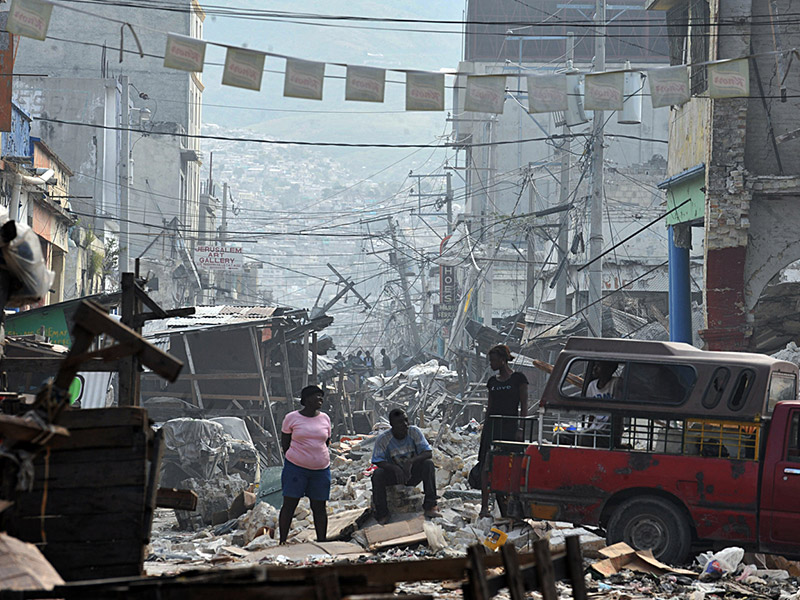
(90, 508)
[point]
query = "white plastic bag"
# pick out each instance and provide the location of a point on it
(721, 563)
(23, 257)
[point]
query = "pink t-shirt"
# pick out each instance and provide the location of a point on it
(309, 434)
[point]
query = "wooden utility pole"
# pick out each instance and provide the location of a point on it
(563, 231)
(409, 307)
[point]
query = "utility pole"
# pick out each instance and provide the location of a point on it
(530, 271)
(595, 311)
(223, 228)
(563, 231)
(409, 308)
(449, 200)
(488, 283)
(124, 180)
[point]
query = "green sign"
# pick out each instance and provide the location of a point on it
(680, 192)
(30, 322)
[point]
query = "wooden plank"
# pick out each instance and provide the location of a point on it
(89, 572)
(82, 501)
(66, 555)
(478, 589)
(69, 528)
(89, 418)
(102, 437)
(516, 586)
(544, 569)
(136, 451)
(153, 475)
(23, 430)
(173, 498)
(22, 364)
(67, 476)
(575, 567)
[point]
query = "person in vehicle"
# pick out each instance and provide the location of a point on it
(596, 432)
(305, 437)
(508, 397)
(402, 455)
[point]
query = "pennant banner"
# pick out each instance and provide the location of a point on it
(604, 91)
(669, 86)
(243, 68)
(304, 79)
(547, 93)
(485, 93)
(184, 53)
(729, 79)
(30, 18)
(365, 84)
(424, 91)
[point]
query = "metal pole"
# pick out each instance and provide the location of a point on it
(680, 297)
(449, 199)
(124, 179)
(595, 311)
(409, 307)
(563, 232)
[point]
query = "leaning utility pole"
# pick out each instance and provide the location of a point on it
(409, 308)
(595, 312)
(530, 255)
(563, 231)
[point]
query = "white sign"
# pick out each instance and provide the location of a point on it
(304, 79)
(30, 18)
(184, 53)
(243, 68)
(604, 91)
(485, 93)
(365, 84)
(547, 93)
(219, 258)
(729, 79)
(424, 91)
(669, 86)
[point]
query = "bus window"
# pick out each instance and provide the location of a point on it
(782, 386)
(742, 388)
(656, 383)
(574, 381)
(717, 387)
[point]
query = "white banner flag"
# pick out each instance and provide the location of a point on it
(30, 18)
(729, 79)
(184, 53)
(669, 86)
(424, 91)
(485, 93)
(604, 91)
(547, 93)
(304, 79)
(243, 68)
(365, 84)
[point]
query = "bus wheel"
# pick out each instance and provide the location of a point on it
(651, 523)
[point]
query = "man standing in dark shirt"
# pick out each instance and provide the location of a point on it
(508, 397)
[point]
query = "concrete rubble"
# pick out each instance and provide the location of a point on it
(252, 537)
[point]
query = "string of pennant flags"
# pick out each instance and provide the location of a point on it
(425, 90)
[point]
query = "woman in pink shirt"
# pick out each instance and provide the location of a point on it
(305, 437)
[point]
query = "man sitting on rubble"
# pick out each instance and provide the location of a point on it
(403, 456)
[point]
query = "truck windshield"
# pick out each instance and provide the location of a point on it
(782, 386)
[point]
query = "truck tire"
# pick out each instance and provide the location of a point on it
(651, 523)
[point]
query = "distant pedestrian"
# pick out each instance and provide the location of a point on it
(305, 437)
(369, 363)
(387, 363)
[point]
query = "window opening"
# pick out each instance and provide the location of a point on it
(743, 385)
(716, 388)
(793, 449)
(782, 386)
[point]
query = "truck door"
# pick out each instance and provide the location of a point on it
(783, 509)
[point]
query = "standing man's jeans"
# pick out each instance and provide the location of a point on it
(423, 471)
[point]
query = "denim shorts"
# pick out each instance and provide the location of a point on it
(298, 482)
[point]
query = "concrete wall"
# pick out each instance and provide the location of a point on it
(92, 154)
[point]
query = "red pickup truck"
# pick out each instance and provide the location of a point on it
(682, 449)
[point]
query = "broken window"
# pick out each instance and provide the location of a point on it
(716, 388)
(699, 31)
(677, 28)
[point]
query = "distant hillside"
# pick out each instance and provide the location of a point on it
(371, 122)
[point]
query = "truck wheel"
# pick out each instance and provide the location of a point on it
(651, 523)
